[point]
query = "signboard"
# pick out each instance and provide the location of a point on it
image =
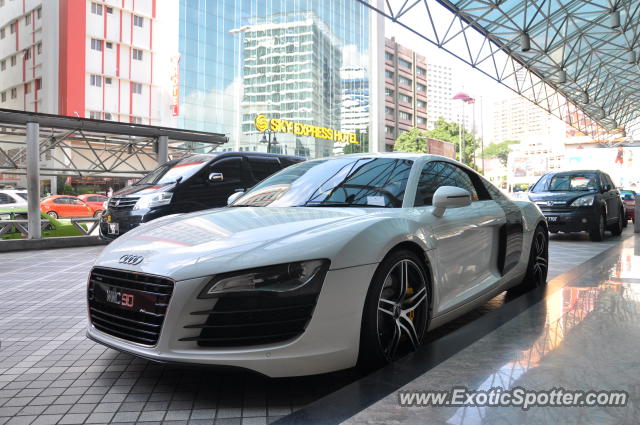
(175, 86)
(276, 125)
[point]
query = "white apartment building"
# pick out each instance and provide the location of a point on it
(516, 118)
(440, 94)
(108, 59)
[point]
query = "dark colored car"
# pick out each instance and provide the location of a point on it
(192, 183)
(629, 199)
(576, 201)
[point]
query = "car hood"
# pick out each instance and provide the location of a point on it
(225, 239)
(144, 189)
(558, 197)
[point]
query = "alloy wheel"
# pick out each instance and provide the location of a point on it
(402, 309)
(541, 259)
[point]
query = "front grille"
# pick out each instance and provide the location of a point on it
(556, 209)
(122, 203)
(253, 320)
(142, 327)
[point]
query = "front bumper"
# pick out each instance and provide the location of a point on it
(578, 220)
(126, 220)
(330, 341)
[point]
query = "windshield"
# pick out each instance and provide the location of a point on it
(567, 182)
(174, 170)
(339, 182)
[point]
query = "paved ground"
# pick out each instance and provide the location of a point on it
(50, 373)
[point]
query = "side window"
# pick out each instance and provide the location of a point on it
(231, 169)
(5, 199)
(609, 181)
(263, 167)
(60, 201)
(436, 174)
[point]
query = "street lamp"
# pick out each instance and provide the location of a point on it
(266, 138)
(465, 98)
(240, 31)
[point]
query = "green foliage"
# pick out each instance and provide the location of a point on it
(450, 132)
(500, 150)
(58, 228)
(414, 140)
(363, 146)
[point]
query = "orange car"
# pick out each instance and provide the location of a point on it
(94, 201)
(65, 206)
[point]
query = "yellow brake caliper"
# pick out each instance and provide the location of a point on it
(413, 312)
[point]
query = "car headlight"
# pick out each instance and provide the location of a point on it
(150, 201)
(275, 279)
(583, 201)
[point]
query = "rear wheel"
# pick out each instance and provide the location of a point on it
(396, 311)
(597, 232)
(52, 214)
(616, 229)
(538, 264)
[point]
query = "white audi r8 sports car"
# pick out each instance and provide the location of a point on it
(328, 264)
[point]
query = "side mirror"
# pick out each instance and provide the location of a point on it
(231, 199)
(449, 197)
(216, 177)
(606, 187)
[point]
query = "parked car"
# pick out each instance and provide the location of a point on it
(65, 206)
(11, 198)
(576, 201)
(95, 201)
(629, 199)
(192, 183)
(327, 264)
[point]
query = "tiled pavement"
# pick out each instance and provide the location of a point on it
(51, 374)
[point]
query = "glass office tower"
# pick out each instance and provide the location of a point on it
(276, 61)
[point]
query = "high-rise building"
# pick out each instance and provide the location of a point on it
(95, 59)
(440, 94)
(354, 111)
(516, 118)
(405, 91)
(243, 59)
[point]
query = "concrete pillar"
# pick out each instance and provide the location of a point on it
(33, 179)
(54, 185)
(636, 226)
(163, 149)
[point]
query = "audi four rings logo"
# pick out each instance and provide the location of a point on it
(132, 260)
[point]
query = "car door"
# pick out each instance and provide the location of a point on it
(262, 167)
(6, 200)
(78, 208)
(61, 206)
(466, 239)
(611, 197)
(234, 176)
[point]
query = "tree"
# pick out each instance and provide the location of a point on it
(450, 132)
(414, 140)
(363, 146)
(500, 150)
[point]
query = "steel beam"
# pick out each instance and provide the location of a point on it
(33, 180)
(163, 149)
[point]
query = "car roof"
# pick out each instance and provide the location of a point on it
(13, 190)
(247, 154)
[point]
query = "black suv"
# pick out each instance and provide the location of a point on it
(192, 183)
(576, 201)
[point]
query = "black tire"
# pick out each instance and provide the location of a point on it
(53, 214)
(597, 231)
(538, 265)
(616, 229)
(394, 322)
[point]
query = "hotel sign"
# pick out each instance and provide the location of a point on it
(299, 129)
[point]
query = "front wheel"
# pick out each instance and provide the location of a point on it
(597, 232)
(52, 214)
(396, 310)
(616, 229)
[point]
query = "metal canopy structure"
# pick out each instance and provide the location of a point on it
(577, 59)
(84, 147)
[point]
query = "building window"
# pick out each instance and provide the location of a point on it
(96, 44)
(107, 116)
(137, 54)
(3, 96)
(421, 103)
(2, 33)
(109, 45)
(107, 80)
(96, 80)
(421, 71)
(421, 87)
(404, 116)
(404, 63)
(12, 27)
(388, 110)
(95, 115)
(38, 83)
(39, 48)
(136, 88)
(388, 129)
(109, 10)
(136, 120)
(421, 120)
(388, 56)
(138, 21)
(27, 54)
(405, 98)
(13, 60)
(27, 88)
(39, 13)
(96, 9)
(14, 93)
(27, 19)
(1, 3)
(388, 92)
(388, 74)
(3, 65)
(405, 81)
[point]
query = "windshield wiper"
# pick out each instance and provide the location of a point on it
(339, 204)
